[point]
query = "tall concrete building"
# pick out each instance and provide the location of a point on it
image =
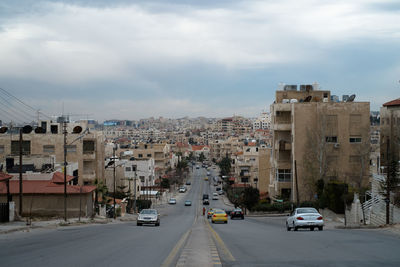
(317, 137)
(390, 131)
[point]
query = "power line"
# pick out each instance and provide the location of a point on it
(15, 110)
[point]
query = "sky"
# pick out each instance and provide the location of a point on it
(136, 59)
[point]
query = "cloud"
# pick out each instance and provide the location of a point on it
(146, 51)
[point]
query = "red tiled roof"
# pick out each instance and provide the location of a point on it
(44, 187)
(4, 177)
(197, 148)
(58, 178)
(252, 144)
(395, 102)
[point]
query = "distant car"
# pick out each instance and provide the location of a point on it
(205, 196)
(219, 216)
(172, 201)
(210, 213)
(208, 173)
(215, 196)
(205, 178)
(188, 183)
(237, 213)
(305, 218)
(148, 216)
(206, 202)
(220, 192)
(197, 167)
(182, 189)
(188, 203)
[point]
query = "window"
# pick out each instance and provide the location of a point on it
(71, 148)
(1, 149)
(284, 175)
(331, 139)
(128, 169)
(88, 167)
(140, 155)
(88, 146)
(26, 147)
(48, 149)
(149, 155)
(142, 179)
(355, 139)
(133, 168)
(54, 129)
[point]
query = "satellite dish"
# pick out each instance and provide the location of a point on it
(351, 98)
(40, 130)
(3, 129)
(308, 98)
(77, 130)
(27, 129)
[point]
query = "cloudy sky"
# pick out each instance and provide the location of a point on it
(135, 59)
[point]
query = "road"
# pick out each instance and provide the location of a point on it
(185, 238)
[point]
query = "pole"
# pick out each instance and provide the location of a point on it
(20, 171)
(80, 202)
(134, 200)
(65, 168)
(297, 184)
(115, 206)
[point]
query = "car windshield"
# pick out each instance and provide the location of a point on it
(307, 210)
(148, 212)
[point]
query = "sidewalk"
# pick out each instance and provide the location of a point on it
(22, 226)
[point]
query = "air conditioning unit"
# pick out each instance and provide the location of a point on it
(336, 145)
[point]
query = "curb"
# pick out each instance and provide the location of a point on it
(267, 215)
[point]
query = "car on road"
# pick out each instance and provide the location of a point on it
(305, 218)
(188, 203)
(237, 213)
(206, 202)
(210, 213)
(148, 216)
(182, 189)
(205, 196)
(188, 183)
(197, 167)
(220, 192)
(219, 216)
(208, 173)
(205, 178)
(172, 201)
(215, 196)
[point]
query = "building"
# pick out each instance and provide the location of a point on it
(263, 122)
(44, 152)
(316, 137)
(389, 132)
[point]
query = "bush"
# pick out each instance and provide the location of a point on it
(143, 204)
(267, 207)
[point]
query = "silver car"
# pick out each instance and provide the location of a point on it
(305, 218)
(148, 216)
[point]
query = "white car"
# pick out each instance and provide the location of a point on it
(182, 189)
(215, 196)
(305, 218)
(148, 216)
(172, 201)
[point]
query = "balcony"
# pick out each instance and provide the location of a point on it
(282, 107)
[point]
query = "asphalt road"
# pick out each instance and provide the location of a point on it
(251, 242)
(119, 244)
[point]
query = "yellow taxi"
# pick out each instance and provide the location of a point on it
(219, 216)
(205, 178)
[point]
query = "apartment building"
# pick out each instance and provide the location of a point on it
(219, 149)
(389, 132)
(263, 122)
(45, 151)
(317, 137)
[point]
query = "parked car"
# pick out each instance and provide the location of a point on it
(219, 216)
(237, 213)
(208, 173)
(220, 192)
(206, 202)
(148, 216)
(188, 203)
(215, 196)
(188, 183)
(172, 201)
(305, 218)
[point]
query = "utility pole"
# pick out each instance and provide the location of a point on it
(20, 171)
(134, 200)
(115, 206)
(65, 168)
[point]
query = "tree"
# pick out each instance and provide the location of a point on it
(101, 189)
(202, 157)
(165, 183)
(225, 166)
(250, 197)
